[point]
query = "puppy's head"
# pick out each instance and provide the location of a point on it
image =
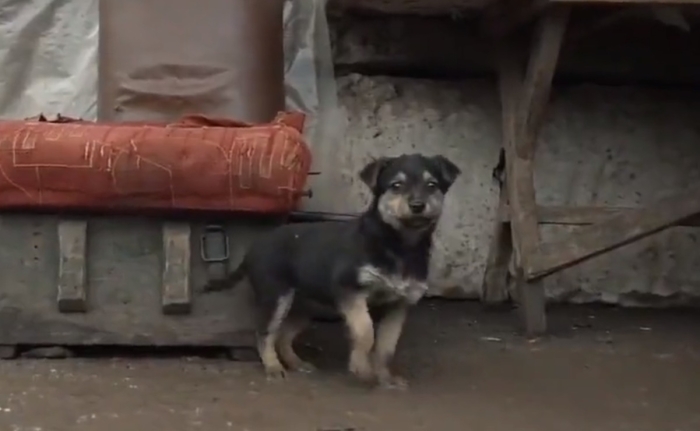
(409, 190)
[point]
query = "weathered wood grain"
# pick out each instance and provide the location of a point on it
(176, 294)
(72, 279)
(612, 232)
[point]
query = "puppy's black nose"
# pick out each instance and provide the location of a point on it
(417, 207)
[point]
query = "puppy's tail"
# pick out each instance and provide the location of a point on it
(231, 280)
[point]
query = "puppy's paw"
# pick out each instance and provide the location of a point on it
(275, 373)
(362, 369)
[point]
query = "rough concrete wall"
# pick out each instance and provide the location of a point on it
(601, 146)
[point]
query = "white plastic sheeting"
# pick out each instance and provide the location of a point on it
(309, 76)
(48, 58)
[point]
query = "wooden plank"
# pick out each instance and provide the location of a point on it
(509, 87)
(521, 195)
(495, 283)
(523, 103)
(547, 43)
(523, 119)
(176, 296)
(403, 7)
(576, 216)
(503, 17)
(494, 289)
(582, 216)
(613, 232)
(72, 279)
(532, 304)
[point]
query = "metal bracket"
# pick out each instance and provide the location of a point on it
(214, 249)
(214, 244)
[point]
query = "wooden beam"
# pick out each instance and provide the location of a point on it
(615, 231)
(494, 288)
(521, 194)
(510, 84)
(503, 17)
(523, 104)
(582, 216)
(547, 43)
(176, 294)
(72, 273)
(522, 118)
(403, 7)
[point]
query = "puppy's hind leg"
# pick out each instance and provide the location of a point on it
(291, 327)
(269, 334)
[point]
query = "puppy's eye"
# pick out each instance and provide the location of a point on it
(432, 185)
(396, 185)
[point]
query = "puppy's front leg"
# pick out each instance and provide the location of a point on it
(359, 322)
(267, 337)
(389, 331)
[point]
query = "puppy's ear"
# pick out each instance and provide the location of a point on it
(370, 173)
(448, 170)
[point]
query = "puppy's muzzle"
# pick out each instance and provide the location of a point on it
(417, 217)
(417, 207)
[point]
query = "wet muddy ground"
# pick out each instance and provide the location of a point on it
(600, 369)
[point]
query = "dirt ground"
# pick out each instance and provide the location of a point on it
(600, 369)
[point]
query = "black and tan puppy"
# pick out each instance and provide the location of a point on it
(376, 265)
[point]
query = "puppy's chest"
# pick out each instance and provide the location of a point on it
(389, 286)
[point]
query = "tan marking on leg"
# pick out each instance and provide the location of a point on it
(289, 330)
(273, 367)
(399, 206)
(359, 322)
(266, 343)
(389, 331)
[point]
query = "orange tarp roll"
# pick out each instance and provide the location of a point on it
(197, 163)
